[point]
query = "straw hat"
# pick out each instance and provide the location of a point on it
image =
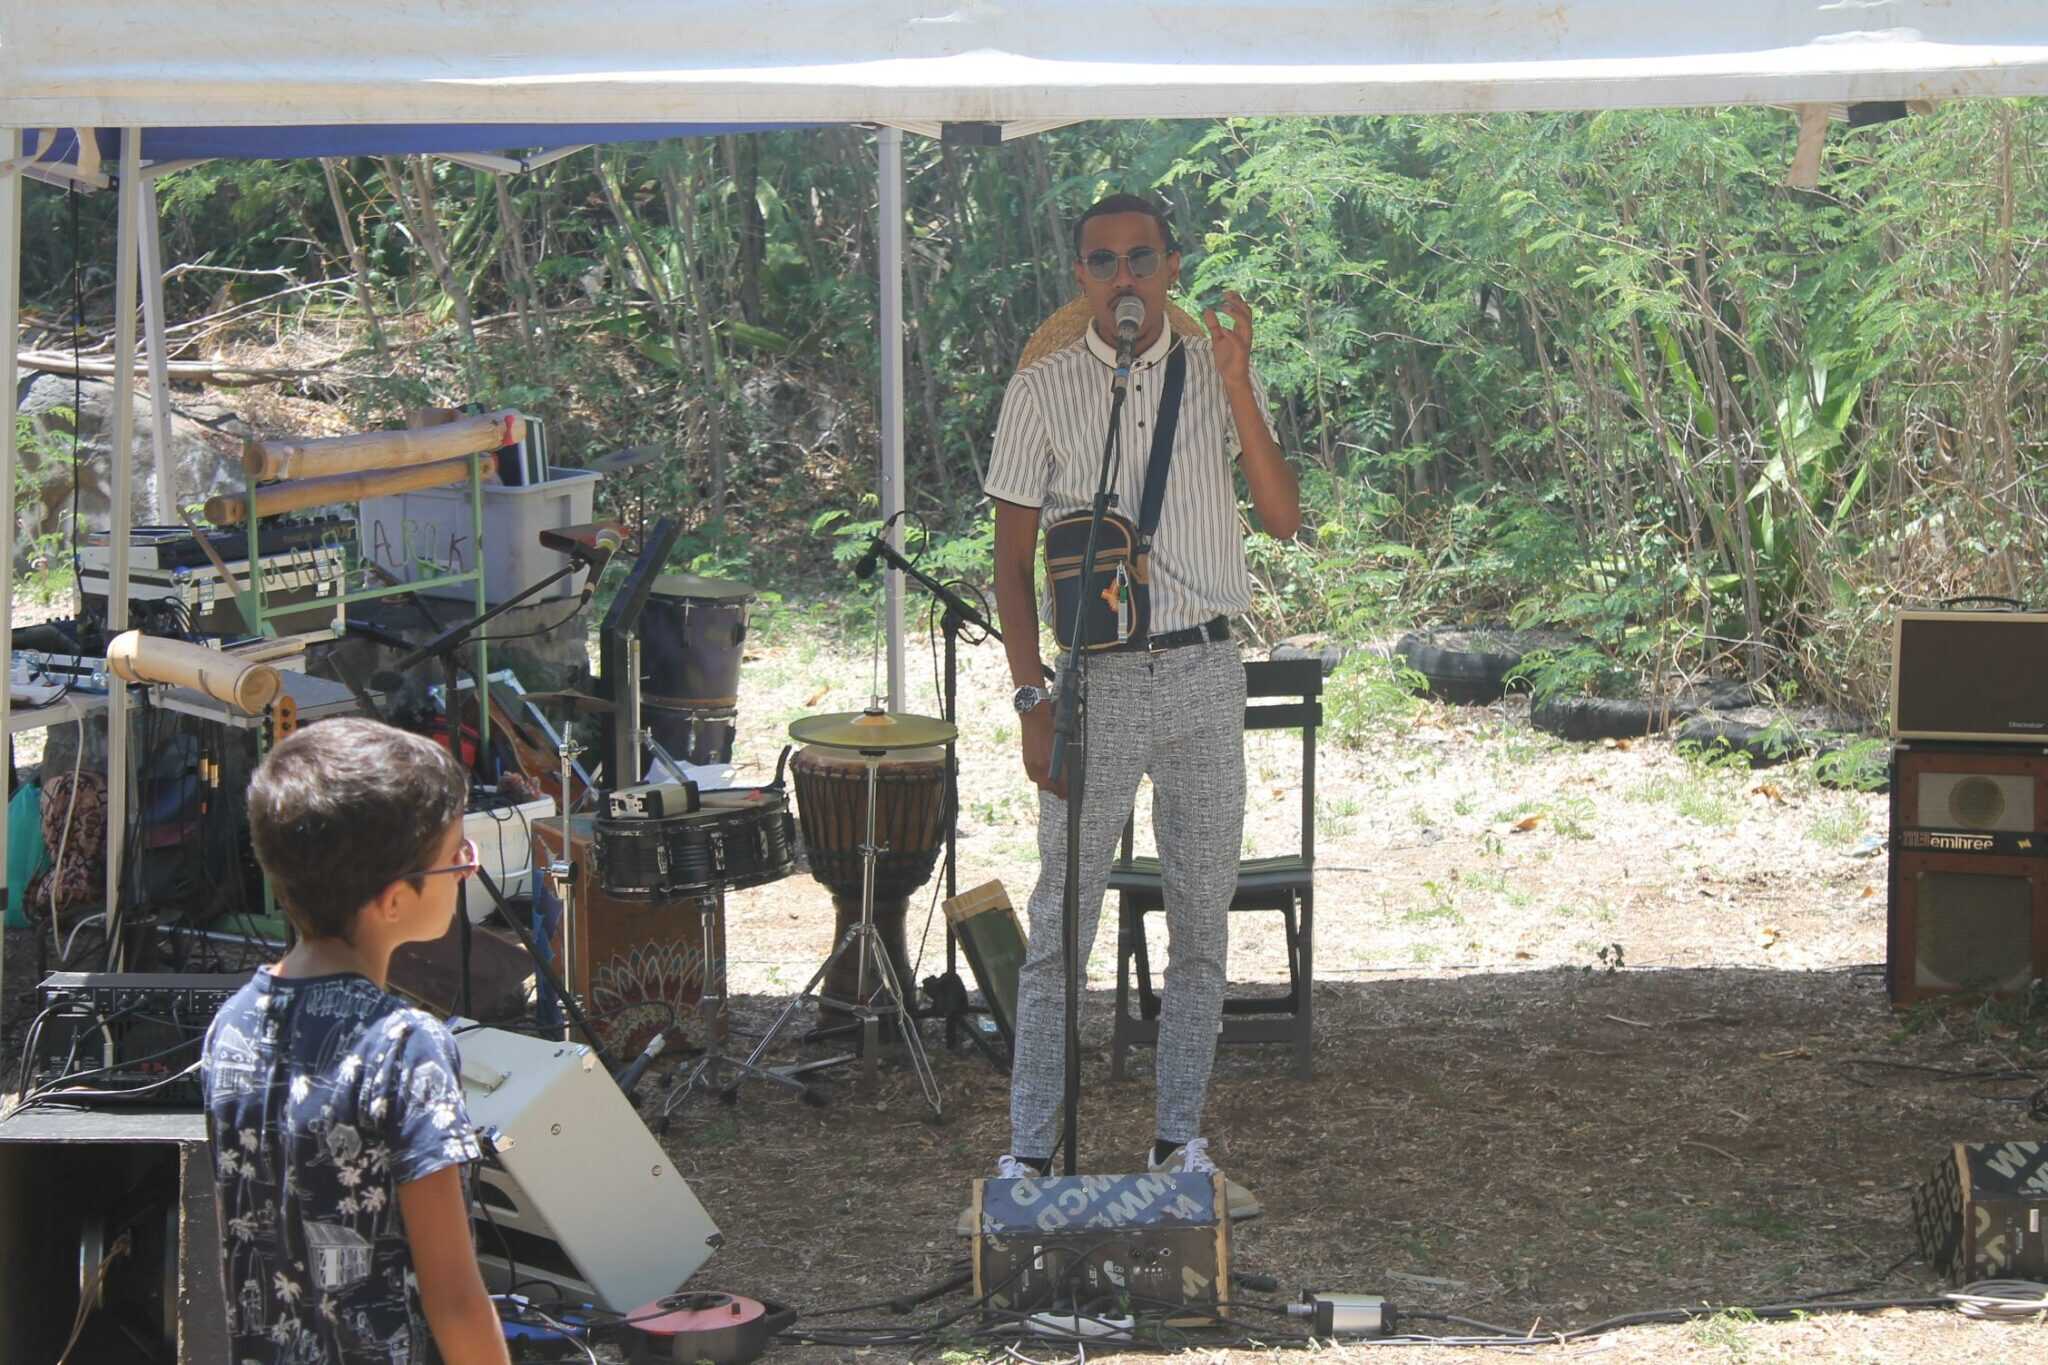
(1064, 328)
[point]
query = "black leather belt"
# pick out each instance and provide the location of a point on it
(1215, 628)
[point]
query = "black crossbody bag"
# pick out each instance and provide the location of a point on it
(1117, 606)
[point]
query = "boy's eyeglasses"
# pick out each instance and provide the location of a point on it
(1102, 263)
(470, 865)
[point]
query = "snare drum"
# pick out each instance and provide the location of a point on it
(910, 827)
(740, 837)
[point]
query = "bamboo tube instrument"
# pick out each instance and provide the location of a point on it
(138, 658)
(232, 509)
(321, 457)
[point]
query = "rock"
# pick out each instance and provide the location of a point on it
(205, 455)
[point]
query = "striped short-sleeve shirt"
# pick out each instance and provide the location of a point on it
(1048, 455)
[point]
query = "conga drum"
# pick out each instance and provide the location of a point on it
(692, 631)
(910, 829)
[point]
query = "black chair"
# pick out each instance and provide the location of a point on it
(1284, 884)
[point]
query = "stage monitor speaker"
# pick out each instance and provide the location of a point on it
(1970, 676)
(73, 1183)
(573, 1189)
(1969, 875)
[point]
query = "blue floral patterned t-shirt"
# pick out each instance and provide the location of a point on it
(323, 1096)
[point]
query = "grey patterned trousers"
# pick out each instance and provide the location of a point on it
(1179, 716)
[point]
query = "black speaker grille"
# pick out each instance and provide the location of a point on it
(1973, 931)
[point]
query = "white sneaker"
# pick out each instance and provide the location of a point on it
(1192, 1157)
(1007, 1168)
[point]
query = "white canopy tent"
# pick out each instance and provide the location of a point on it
(163, 86)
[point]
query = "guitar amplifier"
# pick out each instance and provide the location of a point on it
(573, 1189)
(1105, 1245)
(1968, 908)
(1979, 676)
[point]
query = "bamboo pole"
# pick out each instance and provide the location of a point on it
(138, 658)
(323, 456)
(232, 509)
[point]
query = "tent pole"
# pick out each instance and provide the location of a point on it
(120, 515)
(149, 234)
(10, 307)
(889, 146)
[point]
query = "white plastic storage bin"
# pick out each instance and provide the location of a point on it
(397, 533)
(504, 844)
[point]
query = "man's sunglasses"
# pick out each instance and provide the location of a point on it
(1102, 263)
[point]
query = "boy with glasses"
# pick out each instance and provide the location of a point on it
(334, 1109)
(1170, 704)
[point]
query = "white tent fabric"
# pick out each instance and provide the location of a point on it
(114, 63)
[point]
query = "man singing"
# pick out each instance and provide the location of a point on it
(1169, 703)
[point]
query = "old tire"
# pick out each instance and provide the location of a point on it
(1463, 667)
(1584, 719)
(1714, 730)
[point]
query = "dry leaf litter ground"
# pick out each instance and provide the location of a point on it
(1500, 1126)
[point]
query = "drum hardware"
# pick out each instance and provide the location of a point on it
(676, 771)
(873, 734)
(562, 880)
(709, 1071)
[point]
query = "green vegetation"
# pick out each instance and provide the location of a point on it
(1603, 372)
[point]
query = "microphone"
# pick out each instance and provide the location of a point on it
(591, 546)
(629, 1075)
(865, 568)
(1130, 316)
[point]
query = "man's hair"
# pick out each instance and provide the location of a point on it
(344, 808)
(1128, 203)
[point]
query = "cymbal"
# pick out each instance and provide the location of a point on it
(618, 461)
(698, 587)
(579, 701)
(871, 730)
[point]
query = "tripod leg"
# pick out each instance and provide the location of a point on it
(906, 1027)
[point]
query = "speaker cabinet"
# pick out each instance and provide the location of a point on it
(573, 1189)
(72, 1183)
(1969, 872)
(1970, 675)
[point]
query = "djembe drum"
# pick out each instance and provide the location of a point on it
(910, 829)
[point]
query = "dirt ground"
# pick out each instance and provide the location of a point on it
(1599, 1031)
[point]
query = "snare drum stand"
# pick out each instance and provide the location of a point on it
(710, 1067)
(561, 876)
(863, 940)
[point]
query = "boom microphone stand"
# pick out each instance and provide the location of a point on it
(1070, 747)
(959, 615)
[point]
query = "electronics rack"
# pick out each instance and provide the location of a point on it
(110, 1032)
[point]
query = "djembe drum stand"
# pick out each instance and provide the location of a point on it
(872, 734)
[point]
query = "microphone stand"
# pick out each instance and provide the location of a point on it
(444, 646)
(1070, 756)
(959, 615)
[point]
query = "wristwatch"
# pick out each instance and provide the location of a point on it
(1029, 698)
